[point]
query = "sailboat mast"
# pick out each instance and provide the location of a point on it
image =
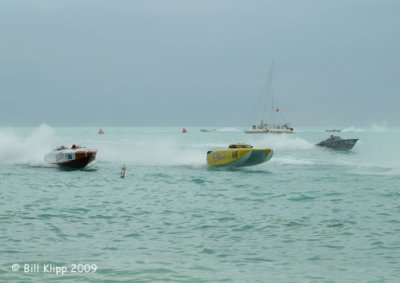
(269, 90)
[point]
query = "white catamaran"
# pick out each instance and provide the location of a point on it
(272, 126)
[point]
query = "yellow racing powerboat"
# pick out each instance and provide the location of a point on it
(238, 155)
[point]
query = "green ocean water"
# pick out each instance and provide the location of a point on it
(307, 215)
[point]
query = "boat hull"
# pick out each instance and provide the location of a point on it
(257, 131)
(76, 159)
(78, 163)
(238, 157)
(281, 131)
(207, 130)
(339, 145)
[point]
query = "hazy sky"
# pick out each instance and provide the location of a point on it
(198, 63)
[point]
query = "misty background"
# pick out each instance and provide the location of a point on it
(198, 63)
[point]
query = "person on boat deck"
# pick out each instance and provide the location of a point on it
(73, 146)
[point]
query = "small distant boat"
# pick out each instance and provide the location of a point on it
(207, 130)
(238, 155)
(336, 142)
(273, 129)
(333, 131)
(184, 130)
(101, 131)
(75, 157)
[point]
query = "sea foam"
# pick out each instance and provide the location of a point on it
(27, 148)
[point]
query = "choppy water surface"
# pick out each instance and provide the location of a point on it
(307, 215)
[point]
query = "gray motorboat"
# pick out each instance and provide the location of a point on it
(336, 142)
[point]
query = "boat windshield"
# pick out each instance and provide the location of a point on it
(240, 146)
(61, 147)
(334, 138)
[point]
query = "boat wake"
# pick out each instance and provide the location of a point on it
(27, 148)
(287, 142)
(373, 128)
(228, 130)
(290, 160)
(162, 153)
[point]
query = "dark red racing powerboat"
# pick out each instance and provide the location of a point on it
(74, 157)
